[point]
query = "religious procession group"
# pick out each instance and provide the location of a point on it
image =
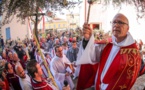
(22, 61)
(24, 66)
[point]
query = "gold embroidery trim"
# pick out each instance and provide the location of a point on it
(129, 50)
(129, 63)
(122, 87)
(119, 77)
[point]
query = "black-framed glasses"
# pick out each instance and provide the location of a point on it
(119, 23)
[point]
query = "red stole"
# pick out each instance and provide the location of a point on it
(86, 76)
(40, 85)
(124, 69)
(104, 57)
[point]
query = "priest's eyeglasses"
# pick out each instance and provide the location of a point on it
(121, 23)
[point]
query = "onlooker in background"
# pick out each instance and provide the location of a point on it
(17, 62)
(75, 39)
(4, 85)
(65, 48)
(31, 52)
(64, 40)
(2, 42)
(44, 44)
(40, 61)
(10, 57)
(24, 79)
(51, 43)
(21, 52)
(56, 42)
(48, 37)
(48, 58)
(26, 57)
(72, 52)
(12, 78)
(5, 53)
(38, 83)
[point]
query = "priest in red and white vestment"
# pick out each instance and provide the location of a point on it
(114, 66)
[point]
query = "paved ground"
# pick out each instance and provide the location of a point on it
(140, 83)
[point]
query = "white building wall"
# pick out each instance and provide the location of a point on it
(17, 30)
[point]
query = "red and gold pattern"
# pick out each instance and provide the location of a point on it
(124, 69)
(121, 74)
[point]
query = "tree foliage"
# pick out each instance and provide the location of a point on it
(24, 8)
(139, 5)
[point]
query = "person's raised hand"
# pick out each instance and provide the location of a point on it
(87, 31)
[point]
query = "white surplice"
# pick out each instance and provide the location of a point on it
(88, 55)
(58, 69)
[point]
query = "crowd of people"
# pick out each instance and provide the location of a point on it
(22, 66)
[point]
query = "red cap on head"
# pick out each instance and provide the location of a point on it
(70, 39)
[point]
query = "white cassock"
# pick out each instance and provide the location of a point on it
(58, 69)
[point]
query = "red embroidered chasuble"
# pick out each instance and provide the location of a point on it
(121, 74)
(124, 69)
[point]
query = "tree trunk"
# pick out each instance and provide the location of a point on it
(36, 23)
